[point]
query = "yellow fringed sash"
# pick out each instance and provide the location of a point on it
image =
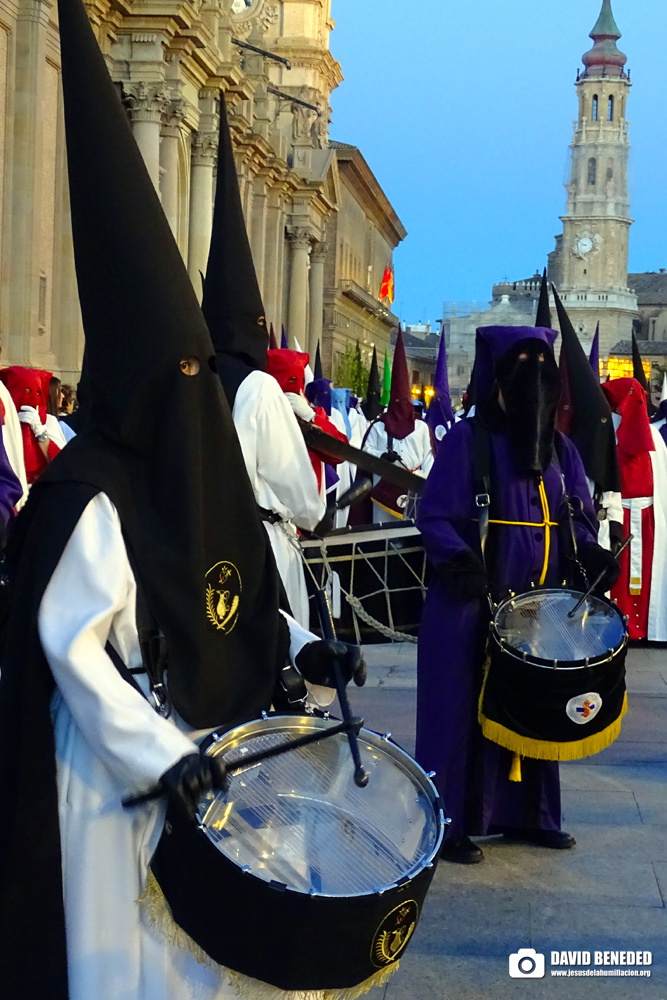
(547, 750)
(158, 913)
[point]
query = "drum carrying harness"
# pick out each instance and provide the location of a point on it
(506, 679)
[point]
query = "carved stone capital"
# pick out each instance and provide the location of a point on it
(146, 102)
(319, 253)
(174, 114)
(204, 148)
(299, 237)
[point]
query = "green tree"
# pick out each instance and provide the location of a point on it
(352, 373)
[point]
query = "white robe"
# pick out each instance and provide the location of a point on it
(110, 743)
(414, 451)
(343, 470)
(13, 441)
(281, 475)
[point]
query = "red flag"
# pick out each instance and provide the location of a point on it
(387, 286)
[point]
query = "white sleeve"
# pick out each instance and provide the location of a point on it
(318, 696)
(91, 586)
(276, 457)
(427, 456)
(613, 504)
(376, 442)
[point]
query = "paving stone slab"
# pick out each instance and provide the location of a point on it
(574, 876)
(591, 806)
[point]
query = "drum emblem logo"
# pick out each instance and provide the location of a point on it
(223, 596)
(584, 707)
(393, 934)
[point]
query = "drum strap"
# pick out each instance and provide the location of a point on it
(482, 473)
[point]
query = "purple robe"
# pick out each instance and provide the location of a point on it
(11, 490)
(472, 774)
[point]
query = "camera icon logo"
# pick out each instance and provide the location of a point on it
(527, 964)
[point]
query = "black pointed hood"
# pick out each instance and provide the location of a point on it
(640, 375)
(318, 363)
(232, 302)
(372, 406)
(159, 442)
(584, 414)
(543, 308)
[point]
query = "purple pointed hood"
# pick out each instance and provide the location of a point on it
(492, 343)
(440, 411)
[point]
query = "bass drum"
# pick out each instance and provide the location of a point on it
(555, 684)
(295, 876)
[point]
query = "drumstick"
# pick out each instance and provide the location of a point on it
(599, 578)
(328, 631)
(350, 726)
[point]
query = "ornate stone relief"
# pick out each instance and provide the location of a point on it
(250, 14)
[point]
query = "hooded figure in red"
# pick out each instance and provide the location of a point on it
(635, 444)
(397, 436)
(289, 370)
(29, 389)
(399, 417)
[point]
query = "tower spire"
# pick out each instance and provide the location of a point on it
(605, 58)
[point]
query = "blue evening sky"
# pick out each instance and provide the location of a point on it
(464, 113)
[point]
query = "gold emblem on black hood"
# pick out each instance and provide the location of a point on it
(223, 596)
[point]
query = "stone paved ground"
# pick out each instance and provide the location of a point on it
(607, 893)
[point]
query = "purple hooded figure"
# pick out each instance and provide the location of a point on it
(516, 386)
(440, 415)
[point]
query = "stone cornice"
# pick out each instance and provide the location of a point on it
(306, 57)
(358, 175)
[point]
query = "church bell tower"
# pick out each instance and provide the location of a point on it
(590, 264)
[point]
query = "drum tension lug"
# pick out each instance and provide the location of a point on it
(279, 886)
(586, 662)
(447, 820)
(430, 774)
(525, 656)
(245, 868)
(386, 736)
(555, 664)
(264, 715)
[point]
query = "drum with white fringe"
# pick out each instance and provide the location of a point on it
(296, 876)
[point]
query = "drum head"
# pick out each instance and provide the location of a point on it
(299, 819)
(537, 624)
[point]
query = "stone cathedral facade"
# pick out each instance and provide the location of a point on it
(321, 231)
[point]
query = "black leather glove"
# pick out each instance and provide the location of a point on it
(596, 560)
(190, 778)
(390, 456)
(466, 575)
(315, 661)
(616, 534)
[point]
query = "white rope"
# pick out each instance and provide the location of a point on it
(388, 633)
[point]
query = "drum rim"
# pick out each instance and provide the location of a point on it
(599, 661)
(382, 742)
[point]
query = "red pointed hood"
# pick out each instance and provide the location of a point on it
(628, 399)
(399, 420)
(288, 368)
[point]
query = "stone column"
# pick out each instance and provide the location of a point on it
(272, 287)
(299, 237)
(147, 102)
(171, 135)
(204, 149)
(258, 228)
(23, 177)
(317, 259)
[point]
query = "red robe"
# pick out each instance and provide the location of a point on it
(635, 444)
